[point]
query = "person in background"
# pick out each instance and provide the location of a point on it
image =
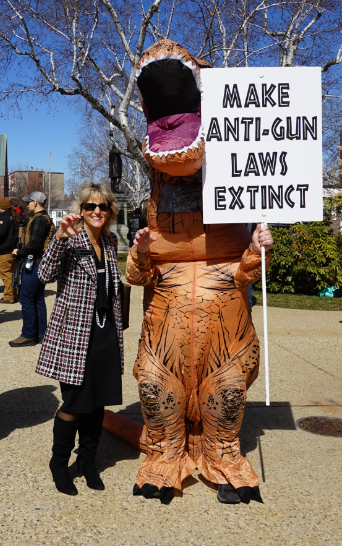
(19, 209)
(9, 227)
(136, 222)
(39, 232)
(23, 222)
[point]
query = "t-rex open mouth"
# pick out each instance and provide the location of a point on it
(168, 80)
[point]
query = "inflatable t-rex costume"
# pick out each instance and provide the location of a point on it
(198, 352)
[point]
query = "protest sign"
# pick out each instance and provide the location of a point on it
(263, 141)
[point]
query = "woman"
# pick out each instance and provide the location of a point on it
(83, 344)
(9, 227)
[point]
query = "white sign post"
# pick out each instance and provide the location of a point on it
(263, 138)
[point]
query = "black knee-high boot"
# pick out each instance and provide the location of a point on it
(90, 430)
(64, 433)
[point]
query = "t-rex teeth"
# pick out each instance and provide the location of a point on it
(179, 57)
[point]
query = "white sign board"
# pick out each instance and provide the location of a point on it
(263, 140)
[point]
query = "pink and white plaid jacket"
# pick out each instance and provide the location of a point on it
(64, 349)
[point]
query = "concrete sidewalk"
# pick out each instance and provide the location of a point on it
(300, 473)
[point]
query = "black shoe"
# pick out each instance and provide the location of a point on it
(39, 340)
(64, 433)
(227, 494)
(87, 468)
(149, 491)
(22, 342)
(61, 477)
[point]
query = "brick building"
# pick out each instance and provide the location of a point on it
(25, 182)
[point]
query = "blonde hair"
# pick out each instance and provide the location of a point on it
(87, 189)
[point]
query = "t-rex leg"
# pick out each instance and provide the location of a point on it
(163, 404)
(222, 399)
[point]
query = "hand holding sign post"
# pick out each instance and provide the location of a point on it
(263, 138)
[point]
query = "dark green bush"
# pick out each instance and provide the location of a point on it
(305, 259)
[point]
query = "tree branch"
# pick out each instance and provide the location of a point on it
(119, 28)
(333, 62)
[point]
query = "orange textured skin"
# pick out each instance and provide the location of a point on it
(198, 352)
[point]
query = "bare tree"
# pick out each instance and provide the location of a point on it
(89, 49)
(70, 187)
(136, 185)
(86, 49)
(276, 33)
(89, 160)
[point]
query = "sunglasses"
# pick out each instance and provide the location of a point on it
(90, 207)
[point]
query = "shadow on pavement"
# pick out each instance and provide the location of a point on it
(258, 418)
(7, 316)
(26, 407)
(50, 293)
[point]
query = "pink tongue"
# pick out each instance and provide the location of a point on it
(173, 132)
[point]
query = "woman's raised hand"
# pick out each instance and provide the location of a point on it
(261, 237)
(143, 239)
(66, 227)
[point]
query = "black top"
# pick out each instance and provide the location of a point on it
(8, 234)
(39, 230)
(102, 384)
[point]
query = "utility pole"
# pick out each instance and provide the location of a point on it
(79, 170)
(49, 201)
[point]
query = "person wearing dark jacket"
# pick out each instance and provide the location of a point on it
(38, 234)
(9, 226)
(136, 222)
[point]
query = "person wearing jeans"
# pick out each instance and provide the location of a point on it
(33, 308)
(39, 232)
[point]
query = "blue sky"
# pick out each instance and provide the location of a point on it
(39, 131)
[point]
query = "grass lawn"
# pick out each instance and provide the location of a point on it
(122, 262)
(295, 301)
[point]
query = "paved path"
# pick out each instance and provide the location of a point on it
(300, 473)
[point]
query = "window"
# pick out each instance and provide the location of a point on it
(59, 214)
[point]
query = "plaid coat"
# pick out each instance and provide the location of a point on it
(64, 349)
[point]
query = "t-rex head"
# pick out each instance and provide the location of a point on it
(168, 80)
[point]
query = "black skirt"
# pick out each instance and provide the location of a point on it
(102, 385)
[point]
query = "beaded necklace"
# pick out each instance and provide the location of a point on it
(107, 285)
